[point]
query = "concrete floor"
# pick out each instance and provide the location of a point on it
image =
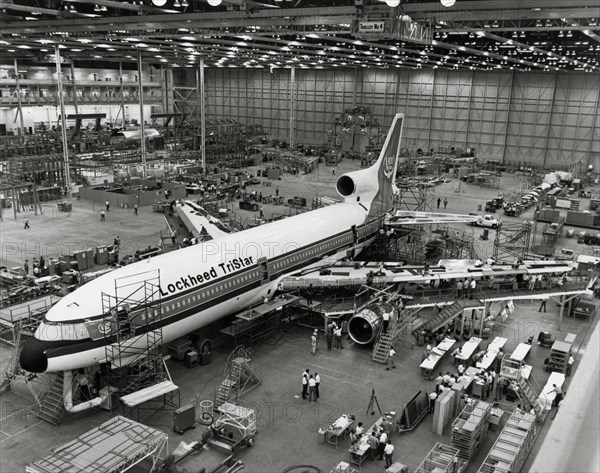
(287, 425)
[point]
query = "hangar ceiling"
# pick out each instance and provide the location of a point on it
(546, 35)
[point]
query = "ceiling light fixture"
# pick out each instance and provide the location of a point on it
(448, 3)
(392, 3)
(159, 3)
(214, 3)
(185, 4)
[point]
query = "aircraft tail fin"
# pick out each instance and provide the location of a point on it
(375, 186)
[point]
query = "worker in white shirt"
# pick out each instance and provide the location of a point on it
(337, 336)
(313, 342)
(382, 443)
(304, 384)
(447, 378)
(359, 429)
(570, 364)
(388, 451)
(472, 287)
(317, 383)
(312, 394)
(461, 369)
(390, 360)
(558, 397)
(386, 321)
(432, 397)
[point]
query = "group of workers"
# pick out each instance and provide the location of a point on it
(379, 440)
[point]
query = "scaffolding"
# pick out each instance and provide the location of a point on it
(241, 375)
(512, 241)
(441, 459)
(133, 322)
(414, 196)
(416, 244)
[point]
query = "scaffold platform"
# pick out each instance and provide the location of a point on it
(115, 446)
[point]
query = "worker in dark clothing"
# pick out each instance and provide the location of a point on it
(329, 338)
(439, 201)
(309, 295)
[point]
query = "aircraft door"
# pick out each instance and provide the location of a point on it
(351, 252)
(263, 266)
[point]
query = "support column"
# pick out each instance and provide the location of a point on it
(549, 121)
(197, 111)
(14, 201)
(510, 94)
(63, 121)
(561, 312)
(20, 109)
(141, 100)
(202, 116)
(74, 87)
(431, 109)
(485, 311)
(292, 105)
(122, 94)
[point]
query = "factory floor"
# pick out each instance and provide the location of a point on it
(287, 425)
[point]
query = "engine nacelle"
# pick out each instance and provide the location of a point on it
(364, 326)
(362, 183)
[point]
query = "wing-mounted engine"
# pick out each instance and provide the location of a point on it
(364, 326)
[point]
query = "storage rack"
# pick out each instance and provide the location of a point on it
(559, 357)
(441, 459)
(470, 428)
(512, 445)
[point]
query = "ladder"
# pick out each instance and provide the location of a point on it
(511, 370)
(527, 395)
(385, 341)
(223, 392)
(449, 313)
(51, 407)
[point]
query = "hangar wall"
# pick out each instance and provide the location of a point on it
(547, 119)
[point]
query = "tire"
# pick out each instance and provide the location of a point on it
(205, 343)
(494, 226)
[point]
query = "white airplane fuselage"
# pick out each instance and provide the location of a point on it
(205, 282)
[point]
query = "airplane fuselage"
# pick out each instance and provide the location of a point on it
(201, 284)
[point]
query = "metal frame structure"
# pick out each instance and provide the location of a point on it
(134, 356)
(114, 447)
(512, 241)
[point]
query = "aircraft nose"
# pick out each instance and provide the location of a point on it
(33, 358)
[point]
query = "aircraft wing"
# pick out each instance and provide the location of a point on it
(359, 273)
(195, 218)
(409, 217)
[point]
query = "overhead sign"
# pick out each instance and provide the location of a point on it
(371, 26)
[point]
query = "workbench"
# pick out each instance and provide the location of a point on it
(492, 351)
(436, 355)
(520, 352)
(360, 450)
(338, 430)
(468, 349)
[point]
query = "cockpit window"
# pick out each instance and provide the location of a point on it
(56, 332)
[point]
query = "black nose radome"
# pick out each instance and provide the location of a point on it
(33, 358)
